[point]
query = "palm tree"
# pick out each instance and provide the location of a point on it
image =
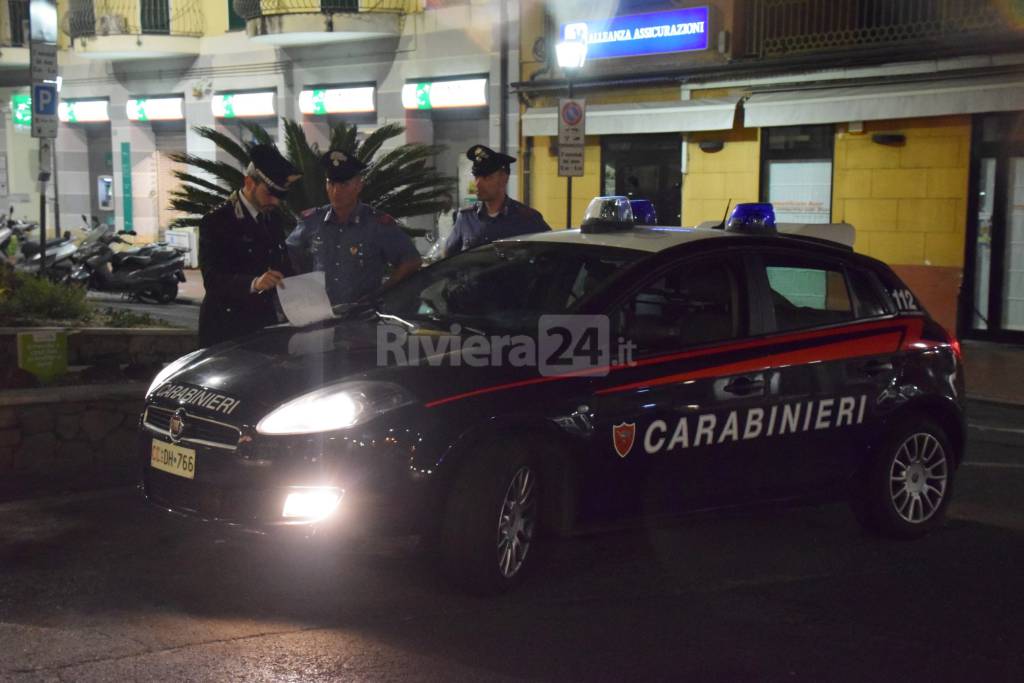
(400, 182)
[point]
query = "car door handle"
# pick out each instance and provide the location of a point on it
(875, 367)
(745, 385)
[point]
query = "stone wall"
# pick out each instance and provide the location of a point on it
(89, 345)
(70, 432)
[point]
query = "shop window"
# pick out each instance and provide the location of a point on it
(796, 172)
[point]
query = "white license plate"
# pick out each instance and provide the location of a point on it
(174, 459)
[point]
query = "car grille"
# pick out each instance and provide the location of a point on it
(213, 501)
(198, 430)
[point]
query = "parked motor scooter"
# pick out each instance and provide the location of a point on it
(151, 272)
(59, 250)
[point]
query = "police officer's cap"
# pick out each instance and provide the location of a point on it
(486, 161)
(340, 166)
(268, 166)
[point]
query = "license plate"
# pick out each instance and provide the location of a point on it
(173, 459)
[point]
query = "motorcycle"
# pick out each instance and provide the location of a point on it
(150, 272)
(59, 250)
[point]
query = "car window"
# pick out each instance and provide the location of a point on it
(868, 292)
(690, 304)
(507, 286)
(807, 294)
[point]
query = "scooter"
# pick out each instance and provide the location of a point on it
(59, 250)
(151, 272)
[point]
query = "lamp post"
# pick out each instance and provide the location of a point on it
(572, 54)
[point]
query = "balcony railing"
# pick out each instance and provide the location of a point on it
(14, 23)
(90, 18)
(787, 27)
(254, 9)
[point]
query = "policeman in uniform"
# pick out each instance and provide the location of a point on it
(242, 253)
(352, 243)
(496, 215)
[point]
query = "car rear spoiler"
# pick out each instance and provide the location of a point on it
(843, 233)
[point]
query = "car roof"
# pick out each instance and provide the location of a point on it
(651, 239)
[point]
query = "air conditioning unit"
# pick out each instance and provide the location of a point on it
(111, 25)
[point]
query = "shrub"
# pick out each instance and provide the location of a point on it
(26, 296)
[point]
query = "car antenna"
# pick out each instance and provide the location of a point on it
(721, 226)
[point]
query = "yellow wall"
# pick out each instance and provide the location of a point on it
(907, 203)
(547, 189)
(712, 179)
(215, 18)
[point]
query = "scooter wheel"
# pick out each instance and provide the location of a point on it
(167, 292)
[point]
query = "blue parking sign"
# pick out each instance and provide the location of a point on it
(44, 99)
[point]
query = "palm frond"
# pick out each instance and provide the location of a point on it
(224, 142)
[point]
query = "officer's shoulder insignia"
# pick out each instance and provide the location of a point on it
(308, 212)
(468, 209)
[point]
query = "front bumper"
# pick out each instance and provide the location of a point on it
(247, 488)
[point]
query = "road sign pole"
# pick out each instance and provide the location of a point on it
(42, 228)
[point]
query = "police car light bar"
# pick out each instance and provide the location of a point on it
(607, 214)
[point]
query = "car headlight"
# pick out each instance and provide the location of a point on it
(334, 407)
(172, 367)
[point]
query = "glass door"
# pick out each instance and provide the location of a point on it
(992, 305)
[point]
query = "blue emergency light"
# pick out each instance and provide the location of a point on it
(752, 219)
(608, 214)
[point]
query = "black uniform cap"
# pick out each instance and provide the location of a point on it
(486, 161)
(340, 166)
(268, 166)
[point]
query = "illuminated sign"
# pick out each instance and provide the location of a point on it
(82, 111)
(445, 94)
(652, 33)
(245, 104)
(337, 100)
(156, 109)
(21, 110)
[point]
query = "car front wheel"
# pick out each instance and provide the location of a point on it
(907, 486)
(491, 520)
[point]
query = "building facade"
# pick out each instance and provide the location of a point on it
(900, 118)
(138, 76)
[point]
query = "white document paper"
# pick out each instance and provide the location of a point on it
(304, 299)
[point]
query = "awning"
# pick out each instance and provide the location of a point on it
(652, 117)
(890, 101)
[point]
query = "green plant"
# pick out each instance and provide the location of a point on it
(23, 295)
(120, 318)
(400, 181)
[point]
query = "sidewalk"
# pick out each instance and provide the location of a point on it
(191, 291)
(995, 372)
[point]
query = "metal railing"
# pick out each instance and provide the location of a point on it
(14, 23)
(254, 9)
(90, 18)
(787, 27)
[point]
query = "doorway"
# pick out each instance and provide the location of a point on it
(645, 167)
(992, 299)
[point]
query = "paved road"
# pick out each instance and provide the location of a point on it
(99, 587)
(178, 314)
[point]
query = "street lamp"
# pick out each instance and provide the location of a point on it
(572, 54)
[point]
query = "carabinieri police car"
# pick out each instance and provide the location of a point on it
(571, 378)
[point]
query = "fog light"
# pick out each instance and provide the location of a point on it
(311, 504)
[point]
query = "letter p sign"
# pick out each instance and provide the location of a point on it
(44, 99)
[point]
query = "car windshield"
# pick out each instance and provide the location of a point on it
(506, 286)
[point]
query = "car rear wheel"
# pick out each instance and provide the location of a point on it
(491, 520)
(907, 486)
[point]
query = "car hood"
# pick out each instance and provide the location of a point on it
(272, 366)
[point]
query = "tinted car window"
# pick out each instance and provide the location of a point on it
(807, 294)
(507, 286)
(693, 303)
(868, 292)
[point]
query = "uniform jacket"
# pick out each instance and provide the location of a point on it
(353, 255)
(234, 249)
(474, 227)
